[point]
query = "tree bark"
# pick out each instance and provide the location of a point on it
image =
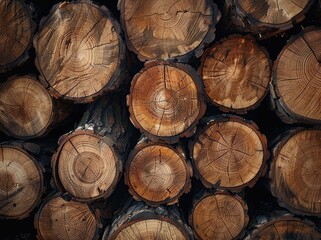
(295, 171)
(229, 153)
(166, 101)
(157, 173)
(236, 73)
(165, 29)
(79, 51)
(296, 79)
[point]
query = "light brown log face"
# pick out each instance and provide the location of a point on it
(219, 216)
(229, 154)
(236, 74)
(167, 29)
(297, 76)
(15, 31)
(59, 219)
(157, 174)
(272, 12)
(21, 183)
(26, 107)
(86, 166)
(78, 50)
(296, 172)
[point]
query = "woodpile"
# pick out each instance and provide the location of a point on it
(135, 119)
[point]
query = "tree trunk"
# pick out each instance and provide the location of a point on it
(236, 73)
(58, 219)
(218, 215)
(166, 101)
(157, 173)
(143, 222)
(296, 82)
(16, 33)
(27, 109)
(166, 29)
(265, 18)
(295, 171)
(229, 153)
(79, 51)
(21, 182)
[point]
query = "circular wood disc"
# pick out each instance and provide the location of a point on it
(157, 174)
(286, 227)
(21, 183)
(229, 153)
(16, 32)
(272, 12)
(166, 29)
(58, 219)
(26, 107)
(296, 172)
(172, 105)
(78, 50)
(236, 74)
(219, 216)
(86, 166)
(297, 76)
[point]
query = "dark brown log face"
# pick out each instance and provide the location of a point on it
(166, 100)
(79, 51)
(296, 172)
(16, 32)
(21, 182)
(297, 79)
(236, 73)
(166, 29)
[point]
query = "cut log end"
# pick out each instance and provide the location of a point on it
(230, 153)
(85, 166)
(79, 51)
(236, 74)
(26, 107)
(21, 183)
(173, 104)
(157, 174)
(296, 172)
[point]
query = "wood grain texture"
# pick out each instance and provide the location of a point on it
(295, 171)
(236, 73)
(21, 182)
(168, 29)
(229, 153)
(173, 104)
(16, 33)
(79, 51)
(296, 89)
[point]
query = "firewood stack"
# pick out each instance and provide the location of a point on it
(133, 119)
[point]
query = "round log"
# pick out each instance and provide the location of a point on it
(58, 219)
(79, 51)
(143, 222)
(21, 182)
(157, 173)
(229, 153)
(172, 104)
(218, 215)
(16, 33)
(296, 78)
(236, 73)
(295, 172)
(166, 29)
(27, 109)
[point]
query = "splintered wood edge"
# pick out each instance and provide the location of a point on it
(234, 118)
(117, 76)
(171, 201)
(188, 132)
(55, 159)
